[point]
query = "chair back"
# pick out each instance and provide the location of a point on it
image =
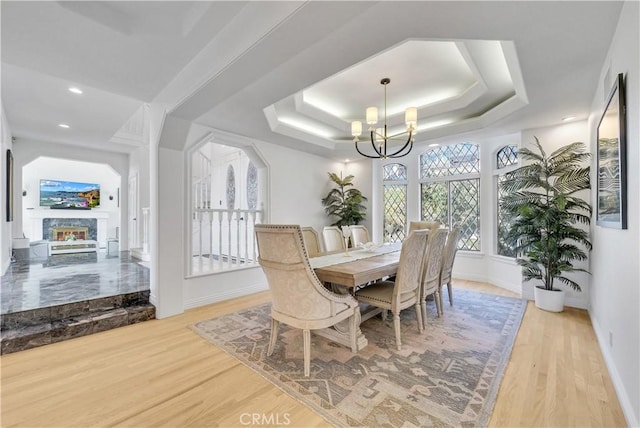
(408, 278)
(333, 239)
(359, 235)
(296, 292)
(449, 255)
(433, 261)
(429, 225)
(311, 241)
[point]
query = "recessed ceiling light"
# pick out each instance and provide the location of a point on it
(63, 125)
(75, 90)
(567, 118)
(347, 160)
(433, 145)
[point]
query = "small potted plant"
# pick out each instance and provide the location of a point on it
(546, 215)
(344, 201)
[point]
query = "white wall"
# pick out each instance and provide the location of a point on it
(69, 170)
(5, 226)
(138, 166)
(615, 263)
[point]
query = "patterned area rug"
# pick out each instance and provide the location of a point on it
(447, 376)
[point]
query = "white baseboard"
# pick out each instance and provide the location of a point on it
(623, 397)
(139, 254)
(225, 295)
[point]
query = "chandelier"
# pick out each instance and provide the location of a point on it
(379, 136)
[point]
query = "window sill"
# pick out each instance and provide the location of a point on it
(471, 254)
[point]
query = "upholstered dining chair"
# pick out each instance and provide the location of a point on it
(359, 235)
(311, 241)
(333, 239)
(448, 258)
(431, 270)
(429, 225)
(404, 292)
(298, 299)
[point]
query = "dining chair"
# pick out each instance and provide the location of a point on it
(311, 241)
(430, 276)
(333, 239)
(429, 225)
(359, 235)
(298, 299)
(448, 258)
(404, 292)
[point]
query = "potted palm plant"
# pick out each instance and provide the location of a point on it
(546, 215)
(344, 201)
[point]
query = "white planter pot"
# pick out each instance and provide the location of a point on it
(549, 300)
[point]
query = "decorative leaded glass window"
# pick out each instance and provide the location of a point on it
(506, 161)
(507, 156)
(450, 190)
(252, 186)
(231, 188)
(444, 161)
(395, 201)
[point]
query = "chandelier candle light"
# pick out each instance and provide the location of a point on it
(379, 137)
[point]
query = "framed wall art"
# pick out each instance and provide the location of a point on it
(9, 189)
(611, 208)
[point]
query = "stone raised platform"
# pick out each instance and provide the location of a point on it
(36, 327)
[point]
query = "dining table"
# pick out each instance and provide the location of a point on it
(345, 271)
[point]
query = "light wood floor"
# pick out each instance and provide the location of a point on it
(160, 373)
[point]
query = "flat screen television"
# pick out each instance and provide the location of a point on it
(69, 194)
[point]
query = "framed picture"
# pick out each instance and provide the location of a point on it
(9, 189)
(612, 161)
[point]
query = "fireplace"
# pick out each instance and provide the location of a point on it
(39, 224)
(67, 233)
(60, 229)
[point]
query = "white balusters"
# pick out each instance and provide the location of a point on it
(223, 239)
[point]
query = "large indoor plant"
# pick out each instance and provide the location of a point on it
(546, 217)
(344, 202)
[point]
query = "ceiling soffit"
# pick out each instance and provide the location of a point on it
(454, 84)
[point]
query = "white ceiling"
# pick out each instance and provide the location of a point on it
(297, 73)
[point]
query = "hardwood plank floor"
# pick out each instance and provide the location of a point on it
(161, 374)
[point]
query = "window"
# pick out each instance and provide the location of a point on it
(506, 161)
(450, 190)
(394, 177)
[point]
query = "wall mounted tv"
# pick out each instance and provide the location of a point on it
(69, 194)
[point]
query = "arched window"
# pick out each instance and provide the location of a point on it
(506, 161)
(450, 190)
(394, 178)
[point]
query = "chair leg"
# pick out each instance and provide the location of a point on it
(306, 335)
(383, 314)
(274, 336)
(438, 300)
(423, 303)
(396, 327)
(450, 290)
(419, 316)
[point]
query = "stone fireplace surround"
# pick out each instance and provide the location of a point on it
(34, 225)
(48, 224)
